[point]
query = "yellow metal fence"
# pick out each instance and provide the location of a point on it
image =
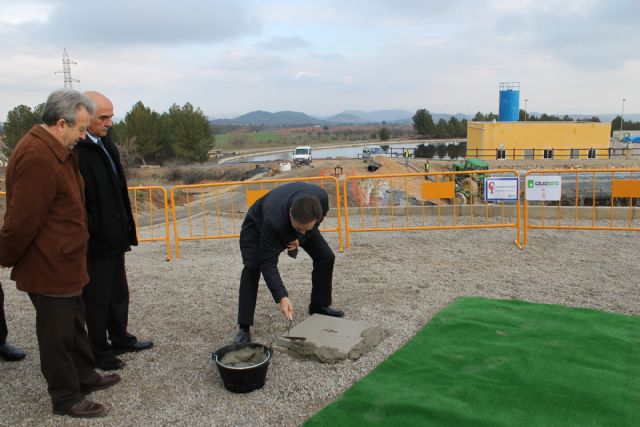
(425, 201)
(589, 199)
(216, 210)
(150, 208)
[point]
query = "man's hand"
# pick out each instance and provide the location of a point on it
(292, 246)
(286, 308)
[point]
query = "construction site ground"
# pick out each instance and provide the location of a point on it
(350, 167)
(213, 172)
(347, 167)
(395, 280)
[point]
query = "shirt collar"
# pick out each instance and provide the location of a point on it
(93, 138)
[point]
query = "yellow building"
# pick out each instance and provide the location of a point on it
(538, 140)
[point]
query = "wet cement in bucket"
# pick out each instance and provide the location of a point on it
(244, 357)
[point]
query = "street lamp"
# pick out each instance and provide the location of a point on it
(622, 117)
(525, 109)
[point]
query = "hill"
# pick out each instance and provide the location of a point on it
(280, 118)
(357, 117)
(381, 115)
(346, 118)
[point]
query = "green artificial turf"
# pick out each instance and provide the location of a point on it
(483, 362)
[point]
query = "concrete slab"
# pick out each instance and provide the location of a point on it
(331, 339)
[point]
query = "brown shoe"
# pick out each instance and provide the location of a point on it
(105, 381)
(83, 409)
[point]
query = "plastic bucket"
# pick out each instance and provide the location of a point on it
(242, 379)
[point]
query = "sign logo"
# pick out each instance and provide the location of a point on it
(544, 187)
(501, 189)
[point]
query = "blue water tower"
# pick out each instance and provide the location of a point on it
(509, 102)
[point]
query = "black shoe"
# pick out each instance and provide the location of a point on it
(109, 363)
(139, 345)
(11, 353)
(242, 337)
(327, 311)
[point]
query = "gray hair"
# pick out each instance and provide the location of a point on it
(64, 104)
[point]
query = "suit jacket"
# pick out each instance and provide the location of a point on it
(270, 215)
(44, 234)
(111, 225)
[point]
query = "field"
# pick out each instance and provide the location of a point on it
(245, 138)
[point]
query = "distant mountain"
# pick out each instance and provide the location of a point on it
(380, 116)
(604, 117)
(295, 118)
(356, 117)
(346, 118)
(281, 118)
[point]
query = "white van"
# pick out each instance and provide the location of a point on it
(371, 150)
(302, 155)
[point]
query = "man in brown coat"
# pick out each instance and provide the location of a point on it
(44, 238)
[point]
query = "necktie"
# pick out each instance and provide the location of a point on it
(113, 164)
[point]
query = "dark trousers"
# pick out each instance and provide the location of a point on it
(106, 298)
(3, 321)
(66, 360)
(321, 276)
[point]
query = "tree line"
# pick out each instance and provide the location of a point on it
(182, 134)
(429, 151)
(626, 125)
(425, 127)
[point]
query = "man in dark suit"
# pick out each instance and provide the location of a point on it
(112, 231)
(287, 217)
(8, 352)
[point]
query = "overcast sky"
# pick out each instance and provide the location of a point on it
(229, 57)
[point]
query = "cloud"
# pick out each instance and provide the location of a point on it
(13, 13)
(306, 75)
(143, 22)
(280, 43)
(578, 32)
(592, 35)
(326, 55)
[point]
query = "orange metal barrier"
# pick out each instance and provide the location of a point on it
(143, 201)
(216, 210)
(590, 199)
(425, 201)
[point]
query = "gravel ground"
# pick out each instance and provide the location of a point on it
(396, 280)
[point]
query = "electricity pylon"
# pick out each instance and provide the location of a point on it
(66, 70)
